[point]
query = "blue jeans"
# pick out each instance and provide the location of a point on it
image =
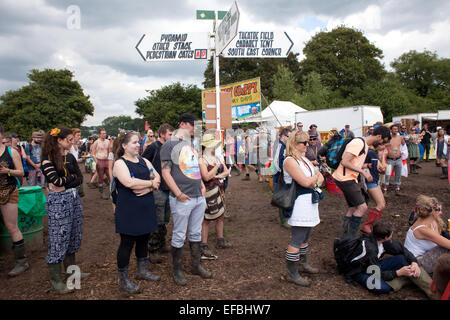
(391, 263)
(189, 213)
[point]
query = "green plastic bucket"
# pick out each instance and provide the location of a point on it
(29, 220)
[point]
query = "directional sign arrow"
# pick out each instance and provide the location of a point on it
(227, 29)
(259, 44)
(174, 46)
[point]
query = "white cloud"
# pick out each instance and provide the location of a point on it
(368, 20)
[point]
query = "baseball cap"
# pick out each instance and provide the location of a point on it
(187, 118)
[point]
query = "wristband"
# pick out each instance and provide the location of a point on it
(179, 196)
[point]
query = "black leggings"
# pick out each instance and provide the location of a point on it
(126, 246)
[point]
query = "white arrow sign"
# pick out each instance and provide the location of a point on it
(227, 29)
(259, 44)
(174, 46)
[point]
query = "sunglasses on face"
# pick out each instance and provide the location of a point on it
(437, 207)
(305, 143)
(312, 139)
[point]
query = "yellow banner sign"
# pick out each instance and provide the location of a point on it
(245, 98)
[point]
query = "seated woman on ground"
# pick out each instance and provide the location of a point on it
(424, 238)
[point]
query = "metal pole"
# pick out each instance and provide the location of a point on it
(216, 61)
(217, 91)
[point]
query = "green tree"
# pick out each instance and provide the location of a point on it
(239, 69)
(52, 98)
(113, 125)
(343, 58)
(391, 96)
(285, 86)
(316, 96)
(424, 73)
(166, 104)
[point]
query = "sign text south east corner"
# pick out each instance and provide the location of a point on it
(174, 46)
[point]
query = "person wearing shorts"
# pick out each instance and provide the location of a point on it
(374, 166)
(347, 173)
(100, 152)
(10, 168)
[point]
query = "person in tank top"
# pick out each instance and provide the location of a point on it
(424, 238)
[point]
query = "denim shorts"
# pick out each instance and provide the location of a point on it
(371, 185)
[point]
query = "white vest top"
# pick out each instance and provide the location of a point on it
(417, 247)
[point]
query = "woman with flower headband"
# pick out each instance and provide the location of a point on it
(63, 206)
(424, 238)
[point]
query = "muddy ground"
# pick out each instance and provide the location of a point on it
(252, 270)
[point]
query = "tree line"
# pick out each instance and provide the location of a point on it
(340, 68)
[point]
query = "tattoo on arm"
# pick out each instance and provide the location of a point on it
(167, 164)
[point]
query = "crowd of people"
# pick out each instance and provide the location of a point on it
(174, 174)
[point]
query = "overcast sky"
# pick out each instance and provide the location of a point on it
(102, 55)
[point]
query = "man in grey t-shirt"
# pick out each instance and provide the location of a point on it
(181, 172)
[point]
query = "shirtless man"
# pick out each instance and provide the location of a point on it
(394, 159)
(100, 152)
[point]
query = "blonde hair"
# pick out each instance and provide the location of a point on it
(424, 208)
(294, 138)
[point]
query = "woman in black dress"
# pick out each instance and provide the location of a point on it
(135, 213)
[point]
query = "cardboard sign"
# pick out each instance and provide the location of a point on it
(210, 112)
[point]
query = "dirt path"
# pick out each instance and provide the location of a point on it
(253, 269)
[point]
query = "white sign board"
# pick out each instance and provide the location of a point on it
(174, 46)
(259, 44)
(227, 29)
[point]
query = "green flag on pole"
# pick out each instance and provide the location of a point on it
(205, 15)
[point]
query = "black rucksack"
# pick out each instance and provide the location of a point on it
(350, 255)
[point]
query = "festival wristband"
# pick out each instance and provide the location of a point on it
(178, 198)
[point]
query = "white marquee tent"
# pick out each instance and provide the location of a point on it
(280, 113)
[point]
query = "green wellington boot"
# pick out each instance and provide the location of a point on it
(21, 260)
(56, 279)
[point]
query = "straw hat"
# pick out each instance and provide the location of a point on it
(209, 141)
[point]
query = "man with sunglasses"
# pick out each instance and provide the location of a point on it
(312, 152)
(347, 173)
(299, 127)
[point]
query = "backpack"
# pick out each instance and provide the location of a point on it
(350, 254)
(334, 150)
